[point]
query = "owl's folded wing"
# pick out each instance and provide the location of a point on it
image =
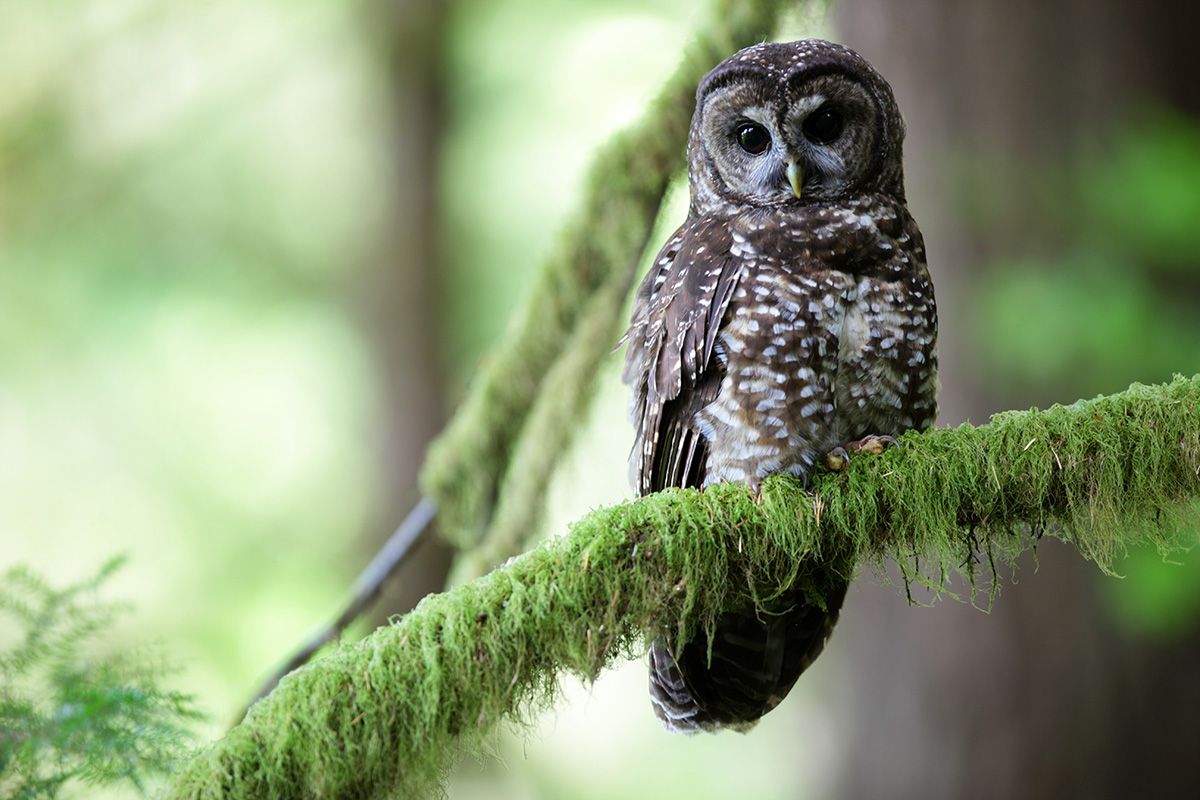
(669, 363)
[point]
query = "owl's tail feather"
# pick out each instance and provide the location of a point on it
(757, 655)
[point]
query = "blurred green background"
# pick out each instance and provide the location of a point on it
(251, 252)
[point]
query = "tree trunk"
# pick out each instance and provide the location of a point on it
(399, 294)
(1044, 697)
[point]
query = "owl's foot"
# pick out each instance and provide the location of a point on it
(872, 444)
(839, 457)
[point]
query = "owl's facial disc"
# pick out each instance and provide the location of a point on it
(831, 129)
(740, 130)
(805, 142)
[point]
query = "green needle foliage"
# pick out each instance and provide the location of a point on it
(385, 717)
(66, 716)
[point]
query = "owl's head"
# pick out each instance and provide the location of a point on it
(793, 123)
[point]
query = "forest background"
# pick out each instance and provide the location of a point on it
(251, 254)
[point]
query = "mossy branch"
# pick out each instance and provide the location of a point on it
(487, 472)
(553, 417)
(386, 716)
(472, 465)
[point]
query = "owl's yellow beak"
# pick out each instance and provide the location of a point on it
(795, 176)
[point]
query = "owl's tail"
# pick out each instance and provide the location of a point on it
(756, 658)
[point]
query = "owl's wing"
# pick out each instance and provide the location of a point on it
(677, 314)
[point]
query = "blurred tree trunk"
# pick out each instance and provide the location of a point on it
(1044, 697)
(398, 294)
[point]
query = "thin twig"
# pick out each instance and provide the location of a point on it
(366, 589)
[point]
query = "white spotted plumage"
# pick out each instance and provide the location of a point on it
(773, 328)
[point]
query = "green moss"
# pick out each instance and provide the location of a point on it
(386, 716)
(547, 431)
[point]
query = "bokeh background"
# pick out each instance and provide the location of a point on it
(251, 252)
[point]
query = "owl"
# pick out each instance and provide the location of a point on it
(789, 323)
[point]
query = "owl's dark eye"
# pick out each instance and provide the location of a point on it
(752, 137)
(823, 125)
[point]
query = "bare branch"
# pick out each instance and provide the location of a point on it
(366, 589)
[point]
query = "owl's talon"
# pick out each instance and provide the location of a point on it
(837, 459)
(874, 445)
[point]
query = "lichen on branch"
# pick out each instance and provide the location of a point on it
(386, 716)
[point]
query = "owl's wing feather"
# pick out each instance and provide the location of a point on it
(676, 369)
(677, 315)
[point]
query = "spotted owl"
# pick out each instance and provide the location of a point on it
(790, 321)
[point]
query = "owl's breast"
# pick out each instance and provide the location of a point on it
(815, 356)
(780, 347)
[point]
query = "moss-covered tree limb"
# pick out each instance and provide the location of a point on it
(552, 419)
(486, 473)
(386, 716)
(598, 252)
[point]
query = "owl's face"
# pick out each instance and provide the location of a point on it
(793, 123)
